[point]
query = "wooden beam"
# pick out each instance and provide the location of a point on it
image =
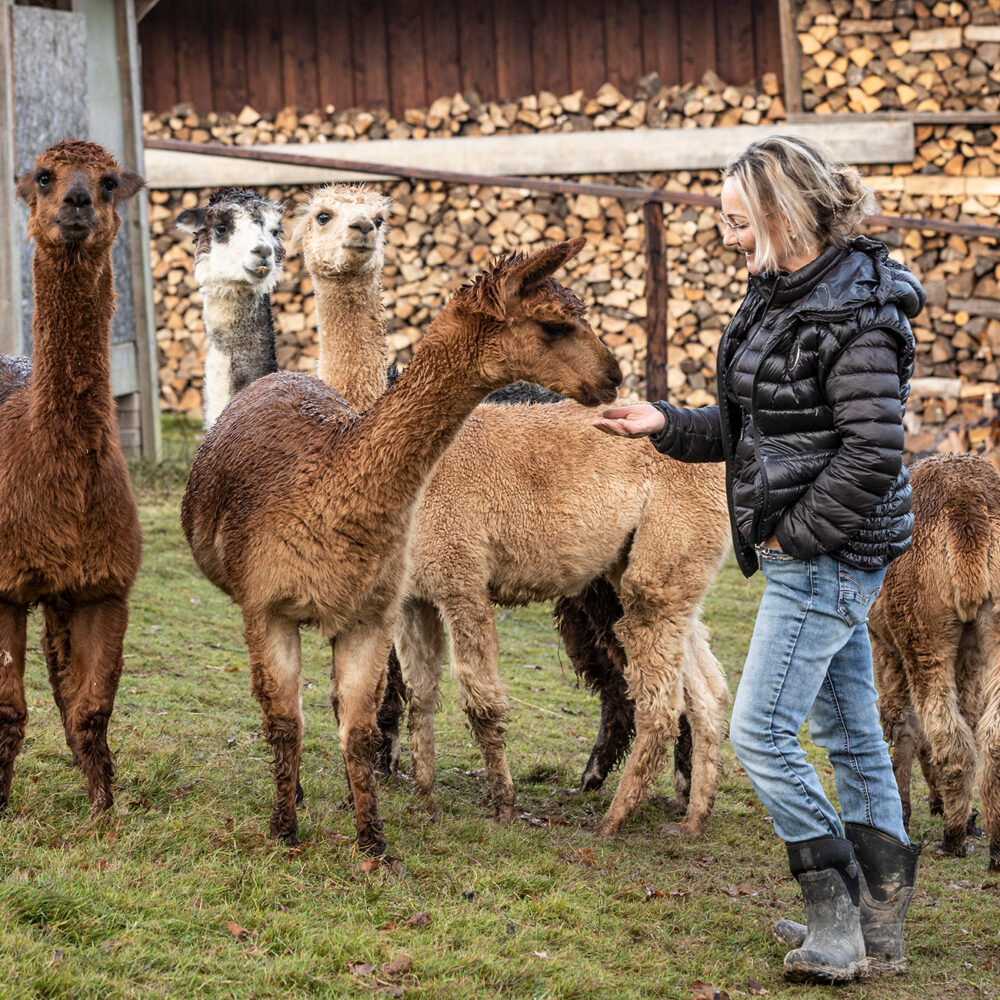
(138, 231)
(791, 57)
(11, 340)
(967, 117)
(143, 7)
(657, 334)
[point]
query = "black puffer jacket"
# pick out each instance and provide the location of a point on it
(812, 378)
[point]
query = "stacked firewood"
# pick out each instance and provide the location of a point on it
(901, 54)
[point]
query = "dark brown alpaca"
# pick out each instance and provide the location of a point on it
(69, 531)
(936, 644)
(300, 509)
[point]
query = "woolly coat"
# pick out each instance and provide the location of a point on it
(813, 376)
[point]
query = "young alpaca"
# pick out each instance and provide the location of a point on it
(936, 642)
(300, 510)
(238, 256)
(469, 524)
(69, 530)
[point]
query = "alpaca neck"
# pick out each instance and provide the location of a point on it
(71, 366)
(240, 332)
(403, 435)
(353, 347)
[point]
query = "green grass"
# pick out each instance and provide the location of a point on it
(139, 904)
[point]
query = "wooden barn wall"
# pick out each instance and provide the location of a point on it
(401, 54)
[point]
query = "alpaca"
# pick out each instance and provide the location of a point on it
(341, 236)
(477, 538)
(936, 644)
(300, 510)
(69, 529)
(238, 256)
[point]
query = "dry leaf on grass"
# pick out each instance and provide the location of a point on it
(398, 966)
(702, 991)
(419, 919)
(238, 931)
(360, 968)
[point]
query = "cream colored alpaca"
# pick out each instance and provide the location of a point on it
(531, 504)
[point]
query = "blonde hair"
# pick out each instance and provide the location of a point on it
(798, 194)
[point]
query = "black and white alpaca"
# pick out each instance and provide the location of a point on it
(238, 258)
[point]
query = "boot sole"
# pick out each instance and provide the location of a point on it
(801, 973)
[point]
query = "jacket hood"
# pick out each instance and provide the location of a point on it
(841, 280)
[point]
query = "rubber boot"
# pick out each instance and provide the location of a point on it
(888, 875)
(833, 950)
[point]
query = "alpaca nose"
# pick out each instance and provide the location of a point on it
(262, 250)
(364, 226)
(78, 197)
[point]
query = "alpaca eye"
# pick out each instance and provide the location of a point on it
(109, 185)
(44, 178)
(323, 218)
(556, 330)
(378, 223)
(221, 229)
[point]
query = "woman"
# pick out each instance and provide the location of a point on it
(812, 376)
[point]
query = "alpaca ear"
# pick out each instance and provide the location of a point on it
(293, 245)
(191, 220)
(26, 187)
(128, 185)
(532, 272)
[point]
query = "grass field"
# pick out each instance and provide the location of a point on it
(180, 894)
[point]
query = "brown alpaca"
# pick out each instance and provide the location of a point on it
(530, 504)
(69, 531)
(936, 644)
(300, 510)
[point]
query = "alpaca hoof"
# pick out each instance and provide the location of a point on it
(299, 794)
(606, 829)
(287, 833)
(953, 846)
(670, 804)
(972, 828)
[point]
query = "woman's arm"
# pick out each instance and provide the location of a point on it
(684, 433)
(863, 391)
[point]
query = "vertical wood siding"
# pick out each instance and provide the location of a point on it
(401, 54)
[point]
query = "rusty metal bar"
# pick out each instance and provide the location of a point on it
(657, 332)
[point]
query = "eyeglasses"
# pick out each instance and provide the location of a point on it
(734, 227)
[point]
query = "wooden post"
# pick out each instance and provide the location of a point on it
(791, 57)
(138, 231)
(656, 303)
(11, 339)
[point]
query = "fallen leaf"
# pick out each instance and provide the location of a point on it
(652, 892)
(540, 954)
(585, 855)
(388, 927)
(360, 968)
(756, 989)
(398, 966)
(702, 991)
(238, 931)
(419, 919)
(369, 865)
(390, 990)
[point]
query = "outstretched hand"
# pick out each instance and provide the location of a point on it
(638, 420)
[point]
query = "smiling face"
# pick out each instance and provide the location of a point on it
(341, 231)
(237, 241)
(739, 232)
(73, 191)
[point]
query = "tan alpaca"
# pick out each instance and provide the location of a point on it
(936, 644)
(531, 504)
(300, 510)
(344, 255)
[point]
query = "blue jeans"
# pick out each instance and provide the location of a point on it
(810, 656)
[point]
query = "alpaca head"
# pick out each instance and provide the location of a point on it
(73, 191)
(341, 231)
(536, 329)
(237, 241)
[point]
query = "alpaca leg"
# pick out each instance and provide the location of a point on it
(89, 685)
(930, 664)
(586, 625)
(475, 650)
(13, 707)
(359, 658)
(389, 714)
(56, 646)
(420, 644)
(934, 802)
(275, 678)
(988, 729)
(705, 700)
(895, 708)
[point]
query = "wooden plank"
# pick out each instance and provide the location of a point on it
(656, 302)
(229, 57)
(11, 341)
(263, 40)
(767, 38)
(660, 49)
(968, 117)
(159, 62)
(621, 33)
(335, 35)
(588, 59)
(441, 49)
(407, 80)
(477, 49)
(513, 43)
(696, 31)
(191, 41)
(734, 41)
(371, 53)
(549, 52)
(791, 57)
(298, 55)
